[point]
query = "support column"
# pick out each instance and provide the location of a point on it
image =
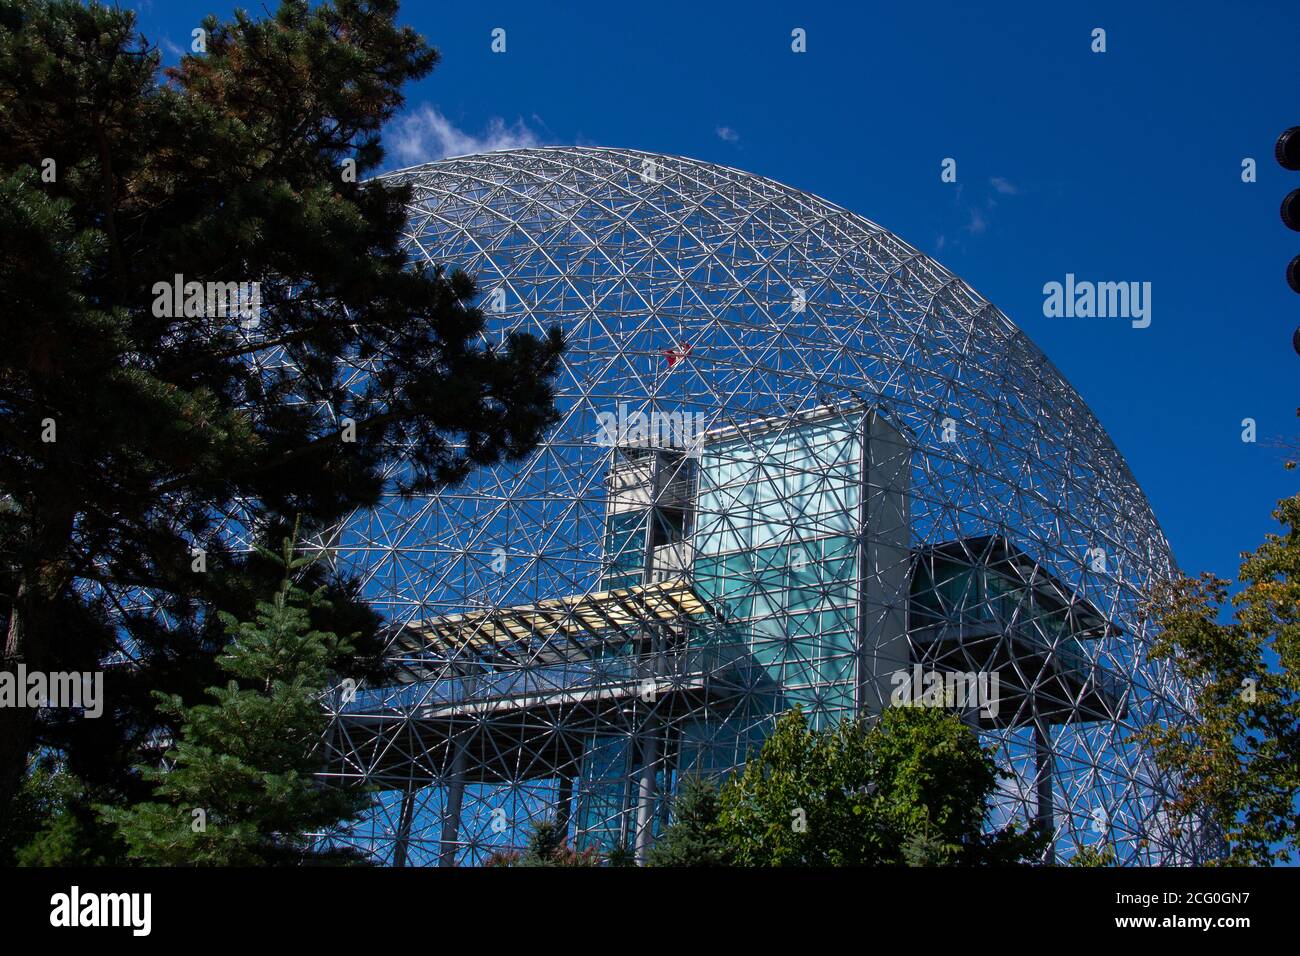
(646, 789)
(1045, 765)
(626, 829)
(672, 754)
(651, 728)
(404, 826)
(451, 807)
(563, 799)
(883, 557)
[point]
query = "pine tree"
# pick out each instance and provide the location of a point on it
(923, 847)
(54, 822)
(619, 856)
(694, 837)
(238, 786)
(549, 846)
(128, 432)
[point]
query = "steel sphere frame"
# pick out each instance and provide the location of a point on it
(830, 460)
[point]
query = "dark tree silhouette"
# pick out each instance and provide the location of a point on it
(129, 432)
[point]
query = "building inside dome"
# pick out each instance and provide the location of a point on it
(798, 463)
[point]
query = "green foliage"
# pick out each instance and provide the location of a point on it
(926, 848)
(1237, 767)
(910, 788)
(695, 837)
(53, 822)
(1094, 856)
(247, 761)
(620, 856)
(547, 846)
(116, 176)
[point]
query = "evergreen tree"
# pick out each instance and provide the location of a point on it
(53, 822)
(925, 848)
(619, 856)
(694, 838)
(238, 787)
(1237, 768)
(129, 431)
(549, 846)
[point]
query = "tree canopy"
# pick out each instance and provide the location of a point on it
(909, 788)
(1236, 766)
(132, 434)
(239, 786)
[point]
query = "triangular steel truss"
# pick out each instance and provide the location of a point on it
(795, 456)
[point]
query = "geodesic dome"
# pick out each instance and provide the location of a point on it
(797, 459)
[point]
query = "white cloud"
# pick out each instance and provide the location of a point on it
(1004, 186)
(727, 134)
(424, 135)
(977, 223)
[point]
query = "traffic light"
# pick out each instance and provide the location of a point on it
(1291, 210)
(1287, 149)
(1287, 153)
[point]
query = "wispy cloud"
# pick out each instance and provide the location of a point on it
(977, 208)
(424, 135)
(727, 134)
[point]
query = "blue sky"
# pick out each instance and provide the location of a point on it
(1121, 166)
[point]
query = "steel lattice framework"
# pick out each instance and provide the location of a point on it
(796, 457)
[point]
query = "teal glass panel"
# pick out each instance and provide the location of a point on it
(625, 543)
(775, 539)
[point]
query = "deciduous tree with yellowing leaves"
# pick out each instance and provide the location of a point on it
(1237, 765)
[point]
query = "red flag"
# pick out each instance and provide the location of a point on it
(673, 355)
